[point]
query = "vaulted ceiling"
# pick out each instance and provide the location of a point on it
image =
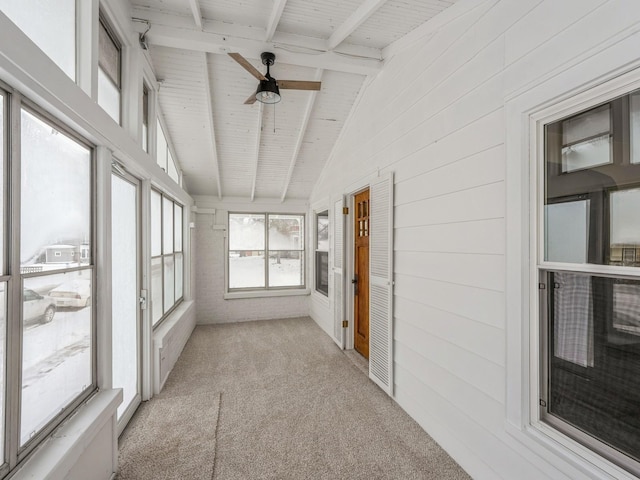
(228, 149)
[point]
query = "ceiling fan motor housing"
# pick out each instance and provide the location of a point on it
(268, 58)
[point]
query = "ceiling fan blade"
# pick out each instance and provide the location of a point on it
(299, 85)
(251, 100)
(244, 63)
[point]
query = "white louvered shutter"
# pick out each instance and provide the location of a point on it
(338, 283)
(381, 283)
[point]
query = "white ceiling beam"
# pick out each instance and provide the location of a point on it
(274, 19)
(212, 131)
(179, 32)
(357, 18)
(197, 13)
(256, 155)
(303, 130)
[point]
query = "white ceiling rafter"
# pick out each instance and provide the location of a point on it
(212, 132)
(303, 129)
(197, 13)
(176, 31)
(274, 19)
(357, 18)
(256, 155)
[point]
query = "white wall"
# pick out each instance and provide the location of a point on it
(209, 236)
(436, 117)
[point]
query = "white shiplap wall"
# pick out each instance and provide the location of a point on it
(436, 117)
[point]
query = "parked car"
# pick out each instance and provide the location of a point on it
(37, 307)
(74, 293)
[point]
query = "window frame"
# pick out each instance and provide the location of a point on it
(541, 269)
(318, 253)
(14, 452)
(177, 301)
(104, 22)
(266, 290)
(145, 139)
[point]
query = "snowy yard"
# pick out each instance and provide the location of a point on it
(56, 366)
(248, 272)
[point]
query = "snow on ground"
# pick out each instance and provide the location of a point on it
(56, 366)
(247, 272)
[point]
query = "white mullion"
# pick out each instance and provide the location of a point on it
(266, 253)
(87, 46)
(102, 262)
(14, 328)
(145, 274)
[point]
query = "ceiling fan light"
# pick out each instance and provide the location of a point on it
(268, 91)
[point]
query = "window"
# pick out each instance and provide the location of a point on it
(163, 154)
(145, 117)
(109, 70)
(266, 251)
(590, 328)
(166, 255)
(3, 280)
(50, 25)
(322, 253)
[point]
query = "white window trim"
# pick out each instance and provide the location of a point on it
(526, 115)
(266, 291)
(317, 294)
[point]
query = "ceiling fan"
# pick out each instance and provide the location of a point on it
(269, 88)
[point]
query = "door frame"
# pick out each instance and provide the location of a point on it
(348, 262)
(120, 172)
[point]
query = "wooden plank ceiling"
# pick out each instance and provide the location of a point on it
(231, 150)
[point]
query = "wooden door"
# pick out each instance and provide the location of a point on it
(361, 273)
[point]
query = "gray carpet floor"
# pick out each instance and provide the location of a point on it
(276, 400)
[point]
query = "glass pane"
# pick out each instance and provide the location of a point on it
(145, 105)
(167, 226)
(246, 269)
(108, 96)
(145, 138)
(246, 231)
(108, 54)
(590, 208)
(625, 228)
(286, 232)
(56, 346)
(169, 283)
(179, 276)
(593, 367)
(156, 290)
(593, 123)
(322, 272)
(55, 198)
(322, 231)
(51, 25)
(124, 241)
(178, 228)
(2, 260)
(286, 268)
(567, 231)
(634, 114)
(586, 140)
(589, 153)
(171, 164)
(161, 147)
(156, 223)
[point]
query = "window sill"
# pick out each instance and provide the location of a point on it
(266, 294)
(57, 455)
(320, 297)
(542, 439)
